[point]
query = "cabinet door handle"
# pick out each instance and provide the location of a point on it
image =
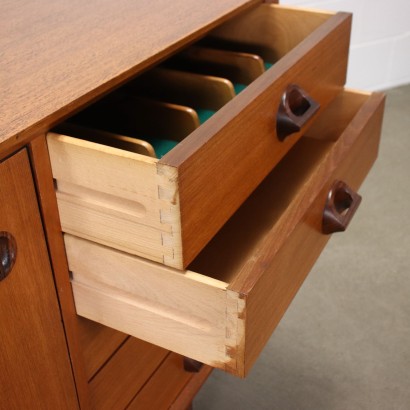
(296, 108)
(8, 253)
(341, 204)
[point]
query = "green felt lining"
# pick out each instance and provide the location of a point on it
(161, 146)
(204, 115)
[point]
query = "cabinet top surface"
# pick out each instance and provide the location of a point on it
(58, 55)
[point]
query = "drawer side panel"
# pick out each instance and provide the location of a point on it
(169, 308)
(117, 198)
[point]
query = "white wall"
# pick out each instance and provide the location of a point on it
(380, 46)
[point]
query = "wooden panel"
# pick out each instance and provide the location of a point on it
(169, 382)
(101, 52)
(285, 269)
(34, 362)
(48, 206)
(257, 28)
(117, 198)
(184, 400)
(164, 386)
(98, 343)
(116, 384)
(183, 312)
(216, 163)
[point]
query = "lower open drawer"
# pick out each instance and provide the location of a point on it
(222, 310)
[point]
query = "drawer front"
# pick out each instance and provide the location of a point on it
(237, 150)
(223, 309)
(153, 208)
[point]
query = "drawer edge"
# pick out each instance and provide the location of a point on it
(117, 198)
(266, 309)
(203, 204)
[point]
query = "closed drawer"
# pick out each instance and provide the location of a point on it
(222, 310)
(167, 210)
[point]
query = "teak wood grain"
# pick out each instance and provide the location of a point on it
(170, 387)
(57, 59)
(61, 56)
(98, 344)
(35, 369)
(184, 400)
(222, 162)
(49, 211)
(117, 383)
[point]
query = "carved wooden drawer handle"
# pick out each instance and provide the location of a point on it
(8, 253)
(295, 110)
(341, 204)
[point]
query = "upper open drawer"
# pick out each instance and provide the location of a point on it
(223, 309)
(167, 210)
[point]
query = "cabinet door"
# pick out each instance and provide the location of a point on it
(35, 370)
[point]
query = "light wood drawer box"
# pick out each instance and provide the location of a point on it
(167, 210)
(222, 310)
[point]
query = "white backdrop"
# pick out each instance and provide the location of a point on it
(380, 47)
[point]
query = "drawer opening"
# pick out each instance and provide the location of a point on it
(153, 113)
(223, 308)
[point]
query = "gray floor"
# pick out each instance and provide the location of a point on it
(345, 341)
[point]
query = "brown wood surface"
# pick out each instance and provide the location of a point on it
(180, 311)
(35, 370)
(117, 383)
(48, 206)
(238, 67)
(181, 87)
(98, 344)
(285, 194)
(222, 162)
(284, 270)
(163, 387)
(59, 56)
(185, 398)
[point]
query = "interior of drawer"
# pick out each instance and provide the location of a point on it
(153, 113)
(271, 203)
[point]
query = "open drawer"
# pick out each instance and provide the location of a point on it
(222, 310)
(167, 210)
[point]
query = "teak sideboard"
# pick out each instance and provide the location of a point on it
(127, 276)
